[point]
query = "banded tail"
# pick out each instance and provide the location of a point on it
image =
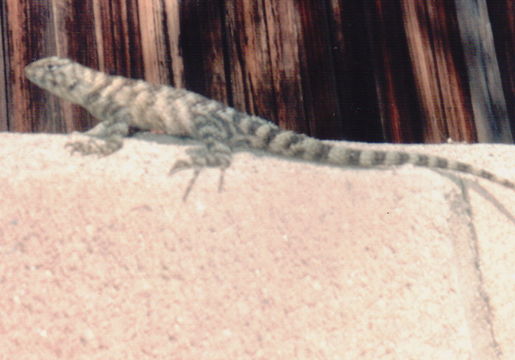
(300, 146)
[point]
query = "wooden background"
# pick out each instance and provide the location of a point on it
(394, 71)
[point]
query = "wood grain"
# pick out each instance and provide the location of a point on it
(397, 71)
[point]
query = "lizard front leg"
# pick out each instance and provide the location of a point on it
(104, 139)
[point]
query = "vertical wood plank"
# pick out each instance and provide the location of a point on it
(172, 23)
(120, 43)
(320, 94)
(284, 37)
(351, 26)
(436, 62)
(200, 39)
(5, 95)
(398, 108)
(155, 45)
(502, 17)
(485, 83)
(73, 39)
(26, 105)
(250, 71)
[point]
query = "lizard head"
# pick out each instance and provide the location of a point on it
(62, 77)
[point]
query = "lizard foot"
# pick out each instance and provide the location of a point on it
(200, 159)
(94, 146)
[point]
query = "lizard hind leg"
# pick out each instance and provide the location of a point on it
(215, 154)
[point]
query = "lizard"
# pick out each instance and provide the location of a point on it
(122, 103)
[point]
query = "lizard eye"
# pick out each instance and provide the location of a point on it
(51, 67)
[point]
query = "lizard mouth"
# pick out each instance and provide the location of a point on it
(31, 73)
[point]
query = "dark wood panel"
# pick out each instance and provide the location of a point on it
(382, 106)
(249, 59)
(264, 60)
(318, 73)
(502, 17)
(5, 107)
(399, 71)
(201, 43)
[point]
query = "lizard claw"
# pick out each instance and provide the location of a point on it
(180, 165)
(185, 165)
(79, 147)
(93, 147)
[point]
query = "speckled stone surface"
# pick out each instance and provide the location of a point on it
(101, 258)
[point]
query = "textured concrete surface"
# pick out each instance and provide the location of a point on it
(101, 259)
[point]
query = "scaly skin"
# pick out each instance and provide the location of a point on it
(121, 103)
